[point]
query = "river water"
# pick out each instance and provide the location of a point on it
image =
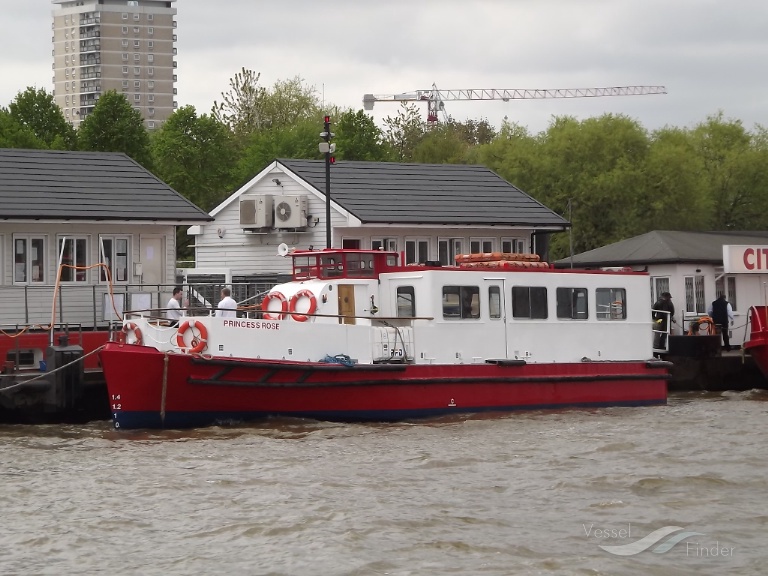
(526, 493)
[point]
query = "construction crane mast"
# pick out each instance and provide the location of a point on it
(436, 98)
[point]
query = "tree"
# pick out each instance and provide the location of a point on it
(114, 126)
(441, 145)
(15, 135)
(37, 110)
(240, 108)
(358, 138)
(196, 157)
(404, 132)
(288, 102)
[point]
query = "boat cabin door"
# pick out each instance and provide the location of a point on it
(346, 303)
(497, 336)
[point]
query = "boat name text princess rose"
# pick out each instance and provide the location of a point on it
(253, 324)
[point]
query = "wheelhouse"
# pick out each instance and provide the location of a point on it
(342, 264)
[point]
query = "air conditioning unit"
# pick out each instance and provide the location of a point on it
(290, 211)
(256, 212)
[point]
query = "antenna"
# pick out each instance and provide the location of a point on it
(282, 250)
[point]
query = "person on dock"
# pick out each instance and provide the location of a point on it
(227, 307)
(173, 312)
(721, 313)
(663, 312)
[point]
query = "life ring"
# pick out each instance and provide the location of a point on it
(312, 305)
(283, 306)
(127, 327)
(198, 344)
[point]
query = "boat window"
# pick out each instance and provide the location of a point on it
(572, 303)
(461, 302)
(611, 303)
(529, 302)
(330, 266)
(359, 265)
(304, 267)
(406, 302)
(494, 302)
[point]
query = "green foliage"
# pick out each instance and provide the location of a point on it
(404, 132)
(114, 126)
(441, 145)
(15, 135)
(358, 138)
(37, 110)
(196, 156)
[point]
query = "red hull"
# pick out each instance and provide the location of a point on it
(150, 389)
(757, 345)
(88, 341)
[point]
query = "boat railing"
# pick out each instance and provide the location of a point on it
(94, 306)
(661, 336)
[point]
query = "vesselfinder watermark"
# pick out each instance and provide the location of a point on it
(626, 540)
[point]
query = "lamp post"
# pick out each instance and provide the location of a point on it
(327, 148)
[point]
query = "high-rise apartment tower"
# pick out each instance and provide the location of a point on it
(122, 45)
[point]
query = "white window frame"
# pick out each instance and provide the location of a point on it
(27, 239)
(125, 69)
(416, 250)
(125, 15)
(513, 245)
(108, 248)
(137, 57)
(481, 244)
(137, 70)
(695, 300)
(727, 285)
(448, 248)
(151, 98)
(78, 276)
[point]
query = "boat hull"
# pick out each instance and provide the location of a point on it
(757, 344)
(152, 389)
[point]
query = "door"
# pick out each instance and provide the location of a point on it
(346, 304)
(497, 318)
(152, 260)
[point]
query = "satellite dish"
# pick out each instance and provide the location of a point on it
(282, 250)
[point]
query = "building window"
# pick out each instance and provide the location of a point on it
(74, 254)
(388, 244)
(137, 43)
(611, 304)
(151, 97)
(150, 58)
(125, 69)
(125, 56)
(124, 43)
(151, 124)
(151, 71)
(151, 110)
(150, 84)
(125, 84)
(727, 286)
(29, 259)
(137, 70)
(406, 302)
(125, 15)
(137, 97)
(125, 29)
(529, 302)
(572, 303)
(513, 245)
(150, 44)
(448, 248)
(137, 84)
(150, 17)
(480, 245)
(135, 29)
(694, 294)
(461, 302)
(136, 16)
(416, 250)
(113, 254)
(136, 57)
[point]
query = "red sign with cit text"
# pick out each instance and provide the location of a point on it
(745, 259)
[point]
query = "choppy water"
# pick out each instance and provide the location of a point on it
(534, 493)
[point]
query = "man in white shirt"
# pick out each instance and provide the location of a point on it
(227, 308)
(174, 306)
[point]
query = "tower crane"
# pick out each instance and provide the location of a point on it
(436, 99)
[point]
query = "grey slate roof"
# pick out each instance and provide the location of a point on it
(665, 247)
(57, 185)
(389, 192)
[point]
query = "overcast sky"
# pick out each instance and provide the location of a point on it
(710, 55)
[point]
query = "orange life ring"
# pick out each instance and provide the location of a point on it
(127, 327)
(283, 306)
(312, 305)
(198, 344)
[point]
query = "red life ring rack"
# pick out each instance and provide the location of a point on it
(131, 326)
(283, 306)
(198, 344)
(302, 317)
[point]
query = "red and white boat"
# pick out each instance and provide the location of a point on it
(757, 344)
(357, 337)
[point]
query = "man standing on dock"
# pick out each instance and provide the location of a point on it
(721, 312)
